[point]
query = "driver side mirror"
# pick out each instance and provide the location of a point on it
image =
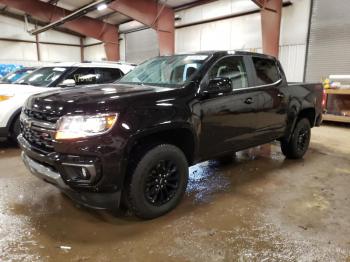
(218, 85)
(68, 83)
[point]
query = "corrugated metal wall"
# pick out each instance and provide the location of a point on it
(141, 45)
(244, 33)
(25, 53)
(329, 39)
(292, 58)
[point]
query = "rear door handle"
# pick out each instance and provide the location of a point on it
(249, 101)
(280, 95)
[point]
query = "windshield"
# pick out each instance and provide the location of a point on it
(43, 76)
(165, 70)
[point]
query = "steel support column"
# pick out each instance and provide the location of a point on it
(271, 12)
(154, 15)
(86, 26)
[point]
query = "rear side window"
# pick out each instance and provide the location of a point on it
(266, 71)
(109, 75)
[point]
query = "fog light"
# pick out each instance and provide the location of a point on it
(79, 173)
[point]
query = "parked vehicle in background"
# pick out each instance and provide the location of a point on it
(55, 77)
(8, 68)
(16, 75)
(132, 142)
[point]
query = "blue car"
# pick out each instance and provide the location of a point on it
(16, 75)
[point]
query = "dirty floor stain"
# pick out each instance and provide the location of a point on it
(260, 207)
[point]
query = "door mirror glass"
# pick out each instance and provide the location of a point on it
(219, 85)
(68, 83)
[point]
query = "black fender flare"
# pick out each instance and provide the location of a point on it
(162, 128)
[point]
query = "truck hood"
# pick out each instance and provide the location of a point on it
(90, 99)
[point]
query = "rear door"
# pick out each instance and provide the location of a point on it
(272, 103)
(228, 120)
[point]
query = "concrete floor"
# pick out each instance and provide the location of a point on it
(259, 208)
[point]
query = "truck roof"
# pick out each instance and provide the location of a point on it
(224, 52)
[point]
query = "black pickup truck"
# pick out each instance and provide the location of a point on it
(131, 143)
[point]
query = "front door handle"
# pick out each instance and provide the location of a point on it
(280, 95)
(249, 101)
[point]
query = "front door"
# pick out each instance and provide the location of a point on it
(228, 120)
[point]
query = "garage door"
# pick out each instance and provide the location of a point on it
(141, 45)
(329, 44)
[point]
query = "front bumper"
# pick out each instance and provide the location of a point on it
(43, 168)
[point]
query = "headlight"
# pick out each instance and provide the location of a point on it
(70, 127)
(4, 97)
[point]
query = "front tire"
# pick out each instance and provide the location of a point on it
(298, 144)
(158, 181)
(15, 130)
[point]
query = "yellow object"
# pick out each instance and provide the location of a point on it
(110, 121)
(326, 83)
(3, 98)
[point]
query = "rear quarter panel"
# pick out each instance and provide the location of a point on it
(303, 96)
(309, 95)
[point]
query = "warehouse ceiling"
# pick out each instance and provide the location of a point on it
(106, 15)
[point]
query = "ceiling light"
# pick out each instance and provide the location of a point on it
(101, 7)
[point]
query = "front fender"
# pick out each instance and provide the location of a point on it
(160, 128)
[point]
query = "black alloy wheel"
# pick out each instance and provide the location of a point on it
(303, 139)
(157, 180)
(298, 144)
(162, 182)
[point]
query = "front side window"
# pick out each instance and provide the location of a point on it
(43, 76)
(170, 71)
(84, 76)
(233, 68)
(266, 71)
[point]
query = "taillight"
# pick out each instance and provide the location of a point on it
(324, 99)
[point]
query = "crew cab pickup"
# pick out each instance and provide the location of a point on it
(56, 76)
(131, 143)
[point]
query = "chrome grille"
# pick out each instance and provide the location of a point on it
(38, 133)
(41, 116)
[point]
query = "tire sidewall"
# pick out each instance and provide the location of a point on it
(139, 202)
(303, 123)
(15, 130)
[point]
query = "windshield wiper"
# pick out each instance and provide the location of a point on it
(131, 83)
(24, 83)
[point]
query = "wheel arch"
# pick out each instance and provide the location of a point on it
(179, 135)
(12, 120)
(295, 114)
(308, 113)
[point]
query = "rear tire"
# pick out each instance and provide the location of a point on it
(158, 182)
(298, 144)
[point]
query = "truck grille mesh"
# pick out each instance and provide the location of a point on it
(39, 129)
(41, 116)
